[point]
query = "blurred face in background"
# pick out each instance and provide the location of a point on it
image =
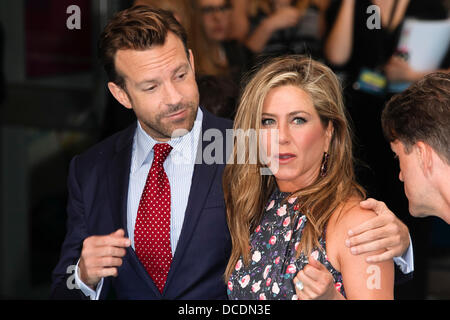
(215, 18)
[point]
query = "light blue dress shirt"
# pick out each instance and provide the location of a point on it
(179, 167)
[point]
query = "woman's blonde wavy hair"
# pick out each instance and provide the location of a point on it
(247, 191)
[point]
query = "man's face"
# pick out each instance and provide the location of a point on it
(160, 87)
(417, 187)
(215, 19)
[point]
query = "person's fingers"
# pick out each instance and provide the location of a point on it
(301, 295)
(367, 236)
(373, 223)
(312, 272)
(371, 204)
(113, 252)
(385, 256)
(370, 246)
(110, 240)
(314, 269)
(309, 285)
(109, 262)
(119, 233)
(105, 272)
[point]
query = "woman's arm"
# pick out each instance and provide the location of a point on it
(282, 18)
(361, 280)
(339, 43)
(239, 20)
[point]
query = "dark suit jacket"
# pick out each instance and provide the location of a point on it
(97, 205)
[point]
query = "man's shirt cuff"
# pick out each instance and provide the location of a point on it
(88, 292)
(406, 261)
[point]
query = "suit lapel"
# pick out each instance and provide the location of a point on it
(202, 179)
(118, 177)
(118, 181)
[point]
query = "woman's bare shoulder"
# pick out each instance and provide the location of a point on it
(350, 214)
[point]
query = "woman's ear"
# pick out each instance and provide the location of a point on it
(328, 135)
(120, 94)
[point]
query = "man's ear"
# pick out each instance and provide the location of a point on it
(120, 95)
(191, 60)
(425, 157)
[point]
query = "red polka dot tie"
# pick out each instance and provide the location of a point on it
(152, 229)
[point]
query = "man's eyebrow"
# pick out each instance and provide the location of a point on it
(175, 71)
(183, 66)
(146, 81)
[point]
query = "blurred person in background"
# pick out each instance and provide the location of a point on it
(276, 27)
(227, 55)
(218, 55)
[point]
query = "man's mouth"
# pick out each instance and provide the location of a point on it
(178, 114)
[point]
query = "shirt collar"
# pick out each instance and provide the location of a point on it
(184, 147)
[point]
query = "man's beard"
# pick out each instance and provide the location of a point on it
(166, 130)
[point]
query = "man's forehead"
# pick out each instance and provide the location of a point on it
(141, 66)
(172, 49)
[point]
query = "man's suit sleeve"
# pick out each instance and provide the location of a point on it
(63, 281)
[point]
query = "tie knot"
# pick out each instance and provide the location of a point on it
(161, 150)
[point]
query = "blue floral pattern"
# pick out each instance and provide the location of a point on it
(273, 265)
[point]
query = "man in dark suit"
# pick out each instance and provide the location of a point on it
(152, 72)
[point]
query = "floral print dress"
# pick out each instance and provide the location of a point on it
(273, 265)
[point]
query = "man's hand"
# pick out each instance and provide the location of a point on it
(100, 257)
(385, 231)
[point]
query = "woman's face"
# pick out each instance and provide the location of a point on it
(295, 156)
(215, 18)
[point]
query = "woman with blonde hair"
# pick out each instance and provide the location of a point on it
(289, 228)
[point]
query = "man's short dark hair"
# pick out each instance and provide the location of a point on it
(136, 28)
(421, 113)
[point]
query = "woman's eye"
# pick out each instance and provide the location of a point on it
(299, 120)
(267, 122)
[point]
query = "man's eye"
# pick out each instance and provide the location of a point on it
(182, 76)
(152, 88)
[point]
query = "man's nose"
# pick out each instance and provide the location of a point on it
(172, 94)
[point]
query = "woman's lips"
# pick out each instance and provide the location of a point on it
(284, 158)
